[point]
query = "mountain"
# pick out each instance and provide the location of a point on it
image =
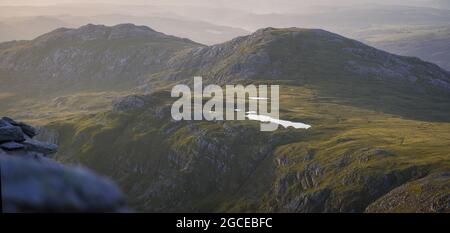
(316, 57)
(196, 30)
(89, 57)
(428, 43)
(102, 58)
(403, 30)
(380, 122)
(341, 17)
(26, 28)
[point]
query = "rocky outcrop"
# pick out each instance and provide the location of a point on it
(128, 103)
(31, 182)
(139, 101)
(16, 137)
(430, 194)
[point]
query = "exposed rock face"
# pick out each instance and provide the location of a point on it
(139, 101)
(129, 103)
(31, 182)
(430, 194)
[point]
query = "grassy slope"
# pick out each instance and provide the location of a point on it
(385, 152)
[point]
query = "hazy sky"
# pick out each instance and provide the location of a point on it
(253, 6)
(233, 3)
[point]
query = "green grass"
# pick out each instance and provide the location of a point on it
(138, 150)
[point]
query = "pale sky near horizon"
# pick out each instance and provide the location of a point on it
(216, 2)
(252, 6)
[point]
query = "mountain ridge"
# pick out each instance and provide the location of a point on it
(90, 54)
(138, 59)
(262, 38)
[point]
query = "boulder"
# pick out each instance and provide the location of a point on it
(346, 139)
(29, 185)
(27, 129)
(31, 182)
(9, 120)
(11, 133)
(4, 123)
(11, 146)
(40, 147)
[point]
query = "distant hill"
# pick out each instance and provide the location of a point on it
(26, 28)
(348, 17)
(29, 28)
(428, 43)
(410, 31)
(209, 25)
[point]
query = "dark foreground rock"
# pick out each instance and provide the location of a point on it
(31, 182)
(29, 130)
(46, 186)
(17, 137)
(11, 133)
(40, 147)
(9, 146)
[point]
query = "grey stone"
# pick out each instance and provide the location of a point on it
(11, 133)
(55, 188)
(128, 103)
(27, 129)
(40, 147)
(381, 152)
(4, 123)
(346, 139)
(11, 146)
(9, 120)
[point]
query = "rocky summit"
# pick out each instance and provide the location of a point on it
(78, 59)
(32, 182)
